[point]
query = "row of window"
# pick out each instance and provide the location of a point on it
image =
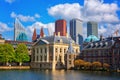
(65, 50)
(41, 50)
(40, 58)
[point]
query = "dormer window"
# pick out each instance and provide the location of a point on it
(101, 44)
(96, 44)
(60, 40)
(91, 44)
(106, 43)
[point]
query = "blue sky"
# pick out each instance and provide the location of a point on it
(37, 13)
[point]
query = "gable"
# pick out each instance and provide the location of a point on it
(42, 42)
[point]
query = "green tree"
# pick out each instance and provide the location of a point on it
(22, 54)
(7, 53)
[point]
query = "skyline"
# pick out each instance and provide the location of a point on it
(44, 13)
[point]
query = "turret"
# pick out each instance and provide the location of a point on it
(34, 35)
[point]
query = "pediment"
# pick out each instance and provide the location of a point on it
(42, 42)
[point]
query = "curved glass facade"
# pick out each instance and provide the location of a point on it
(22, 37)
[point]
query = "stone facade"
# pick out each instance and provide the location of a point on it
(49, 52)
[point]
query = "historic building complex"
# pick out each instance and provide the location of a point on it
(54, 52)
(105, 50)
(60, 50)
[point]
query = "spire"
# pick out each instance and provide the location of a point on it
(34, 35)
(41, 32)
(70, 48)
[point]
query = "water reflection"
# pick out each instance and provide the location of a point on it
(56, 75)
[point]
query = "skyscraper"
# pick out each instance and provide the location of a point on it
(76, 31)
(19, 31)
(60, 26)
(92, 28)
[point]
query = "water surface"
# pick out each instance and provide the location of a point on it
(57, 75)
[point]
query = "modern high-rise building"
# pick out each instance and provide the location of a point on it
(19, 31)
(60, 26)
(76, 31)
(92, 28)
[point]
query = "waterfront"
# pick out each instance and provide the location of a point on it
(57, 75)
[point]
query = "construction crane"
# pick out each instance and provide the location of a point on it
(116, 32)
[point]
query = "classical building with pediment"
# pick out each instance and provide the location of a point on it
(54, 52)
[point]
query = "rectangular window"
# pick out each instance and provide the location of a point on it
(45, 50)
(37, 58)
(56, 50)
(69, 62)
(41, 50)
(64, 50)
(56, 58)
(37, 50)
(40, 58)
(45, 58)
(60, 50)
(69, 56)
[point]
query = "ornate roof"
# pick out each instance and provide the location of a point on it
(54, 39)
(106, 43)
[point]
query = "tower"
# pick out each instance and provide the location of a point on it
(76, 31)
(34, 35)
(41, 33)
(70, 56)
(92, 28)
(60, 26)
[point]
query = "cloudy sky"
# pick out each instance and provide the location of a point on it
(37, 13)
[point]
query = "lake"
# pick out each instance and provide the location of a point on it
(57, 75)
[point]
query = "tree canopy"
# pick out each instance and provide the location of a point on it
(7, 53)
(22, 53)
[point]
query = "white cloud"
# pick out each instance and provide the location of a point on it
(102, 30)
(98, 11)
(38, 26)
(25, 18)
(4, 27)
(37, 15)
(66, 11)
(10, 1)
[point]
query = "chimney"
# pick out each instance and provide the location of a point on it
(67, 35)
(58, 34)
(101, 37)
